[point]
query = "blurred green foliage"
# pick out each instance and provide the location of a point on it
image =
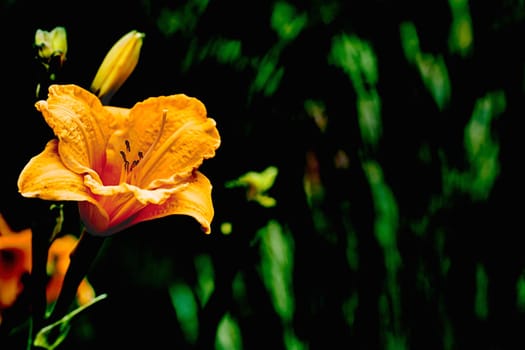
(228, 334)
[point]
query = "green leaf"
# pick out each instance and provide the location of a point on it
(186, 309)
(277, 250)
(54, 334)
(228, 334)
(286, 22)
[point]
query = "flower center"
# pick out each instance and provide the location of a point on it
(131, 162)
(129, 166)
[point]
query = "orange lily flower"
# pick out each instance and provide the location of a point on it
(15, 261)
(124, 166)
(57, 264)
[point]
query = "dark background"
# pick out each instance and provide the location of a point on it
(452, 245)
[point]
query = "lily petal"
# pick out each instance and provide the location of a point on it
(194, 200)
(186, 136)
(82, 125)
(46, 177)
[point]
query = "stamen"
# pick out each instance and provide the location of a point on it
(126, 163)
(128, 148)
(134, 164)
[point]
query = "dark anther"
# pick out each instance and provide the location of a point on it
(126, 163)
(134, 164)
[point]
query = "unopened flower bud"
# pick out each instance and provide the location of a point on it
(51, 45)
(118, 65)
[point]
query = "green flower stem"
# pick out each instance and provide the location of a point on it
(81, 260)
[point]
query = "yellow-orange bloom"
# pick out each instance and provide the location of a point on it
(57, 264)
(15, 261)
(124, 166)
(118, 65)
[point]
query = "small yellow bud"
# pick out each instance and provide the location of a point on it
(118, 65)
(51, 45)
